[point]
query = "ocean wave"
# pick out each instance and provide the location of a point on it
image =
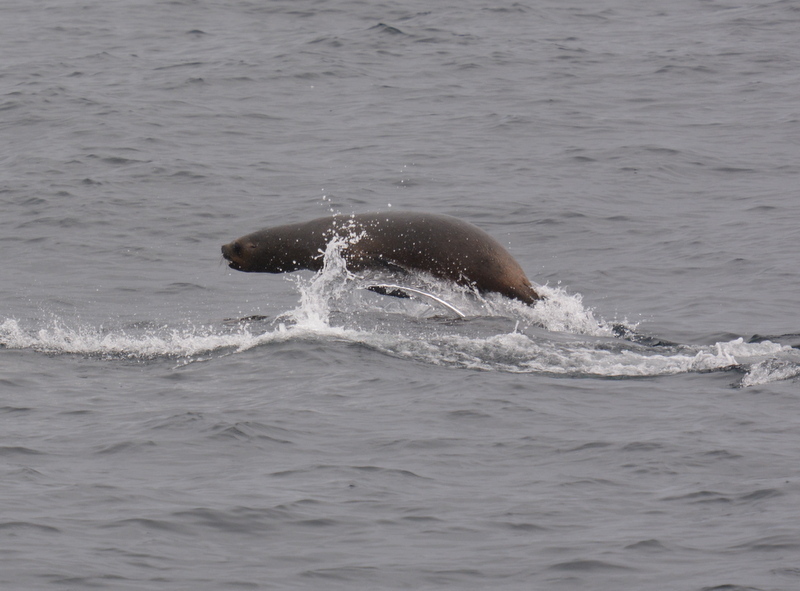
(559, 336)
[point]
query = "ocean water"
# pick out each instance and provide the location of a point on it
(168, 423)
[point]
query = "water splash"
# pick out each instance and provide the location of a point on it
(559, 336)
(560, 311)
(325, 288)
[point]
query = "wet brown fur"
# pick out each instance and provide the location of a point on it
(444, 246)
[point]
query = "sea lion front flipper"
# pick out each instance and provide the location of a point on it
(399, 291)
(389, 290)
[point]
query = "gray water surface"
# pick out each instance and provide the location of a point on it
(640, 162)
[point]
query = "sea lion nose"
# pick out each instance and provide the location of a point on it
(231, 250)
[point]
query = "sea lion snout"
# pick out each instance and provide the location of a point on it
(232, 252)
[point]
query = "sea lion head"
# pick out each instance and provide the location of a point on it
(236, 253)
(274, 250)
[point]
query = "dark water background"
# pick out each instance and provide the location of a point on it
(641, 160)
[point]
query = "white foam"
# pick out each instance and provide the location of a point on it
(560, 311)
(93, 341)
(572, 342)
(771, 370)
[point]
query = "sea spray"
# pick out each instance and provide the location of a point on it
(556, 337)
(325, 287)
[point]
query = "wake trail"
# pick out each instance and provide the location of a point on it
(558, 336)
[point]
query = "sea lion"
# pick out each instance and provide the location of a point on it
(444, 246)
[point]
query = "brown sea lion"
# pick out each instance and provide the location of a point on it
(444, 246)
